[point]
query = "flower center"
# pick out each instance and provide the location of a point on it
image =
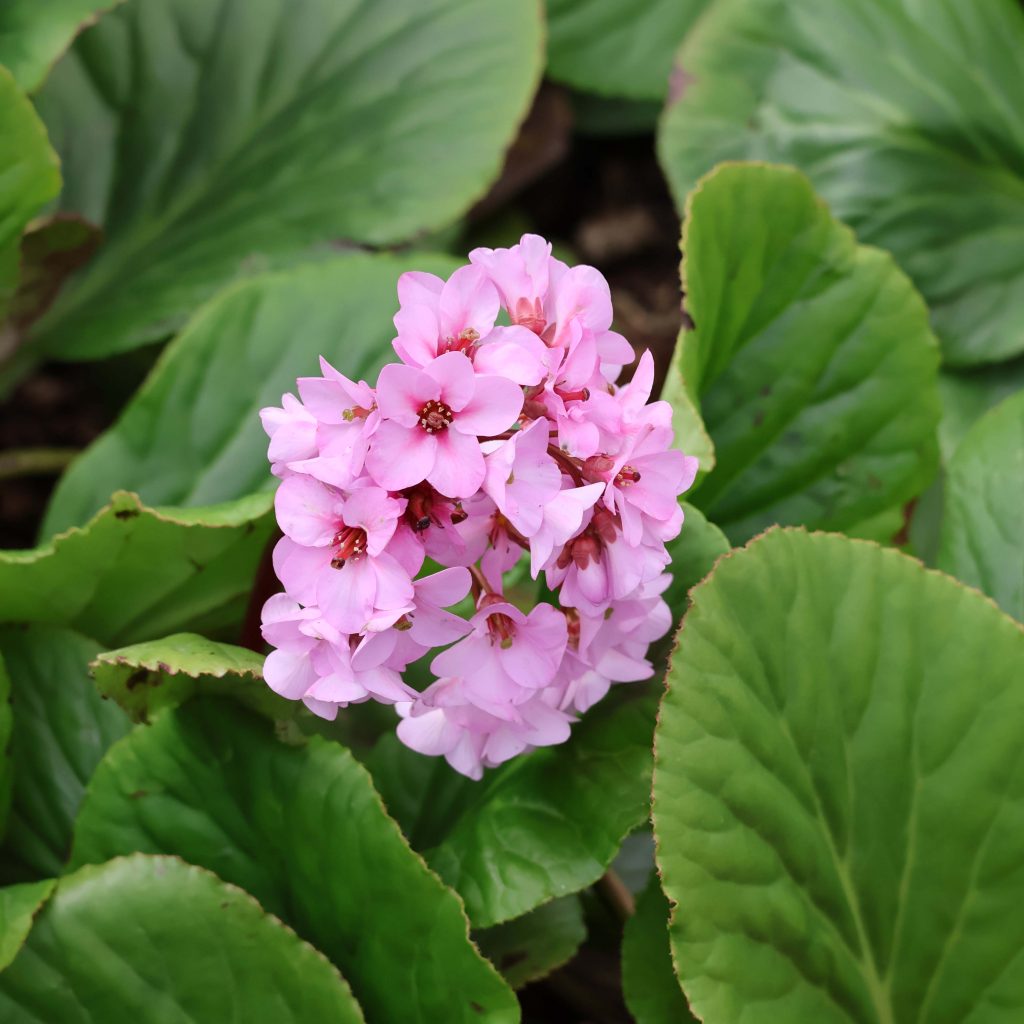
(529, 314)
(464, 343)
(436, 416)
(349, 543)
(627, 476)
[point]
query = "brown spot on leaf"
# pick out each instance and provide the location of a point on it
(126, 513)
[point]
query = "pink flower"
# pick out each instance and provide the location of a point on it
(292, 433)
(431, 419)
(522, 477)
(644, 482)
(425, 626)
(598, 566)
(442, 722)
(458, 315)
(563, 519)
(311, 662)
(346, 416)
(507, 657)
(332, 553)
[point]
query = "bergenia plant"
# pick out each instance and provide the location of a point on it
(489, 446)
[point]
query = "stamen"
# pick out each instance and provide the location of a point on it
(436, 416)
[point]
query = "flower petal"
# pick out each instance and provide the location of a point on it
(495, 404)
(402, 391)
(458, 469)
(455, 378)
(468, 300)
(399, 457)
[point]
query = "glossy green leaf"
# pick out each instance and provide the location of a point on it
(302, 829)
(530, 947)
(150, 940)
(691, 435)
(649, 980)
(33, 34)
(192, 433)
(982, 541)
(6, 729)
(19, 905)
(62, 727)
(214, 138)
(811, 356)
(968, 395)
(909, 119)
(30, 177)
(839, 791)
(554, 819)
(617, 49)
(145, 678)
(694, 552)
(134, 572)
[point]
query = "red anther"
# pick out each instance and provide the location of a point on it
(436, 416)
(459, 514)
(627, 476)
(464, 343)
(349, 542)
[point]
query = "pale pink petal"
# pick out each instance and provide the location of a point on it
(454, 375)
(512, 352)
(443, 589)
(402, 391)
(494, 407)
(416, 344)
(307, 511)
(398, 457)
(346, 595)
(289, 673)
(376, 512)
(458, 469)
(468, 301)
(298, 567)
(583, 293)
(417, 286)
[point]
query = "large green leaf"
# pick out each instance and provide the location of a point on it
(302, 829)
(62, 729)
(983, 519)
(6, 729)
(212, 138)
(150, 940)
(145, 678)
(839, 791)
(19, 905)
(811, 357)
(134, 572)
(615, 48)
(649, 980)
(192, 434)
(532, 946)
(549, 823)
(909, 118)
(33, 34)
(30, 177)
(967, 396)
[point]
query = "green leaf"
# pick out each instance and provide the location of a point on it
(62, 729)
(6, 729)
(532, 946)
(133, 572)
(33, 35)
(694, 553)
(238, 354)
(30, 179)
(967, 396)
(811, 355)
(909, 119)
(691, 435)
(19, 905)
(982, 540)
(215, 138)
(302, 829)
(838, 791)
(145, 678)
(617, 49)
(555, 819)
(150, 940)
(649, 980)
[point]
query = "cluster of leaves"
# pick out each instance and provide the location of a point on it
(838, 794)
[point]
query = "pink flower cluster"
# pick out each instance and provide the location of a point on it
(486, 445)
